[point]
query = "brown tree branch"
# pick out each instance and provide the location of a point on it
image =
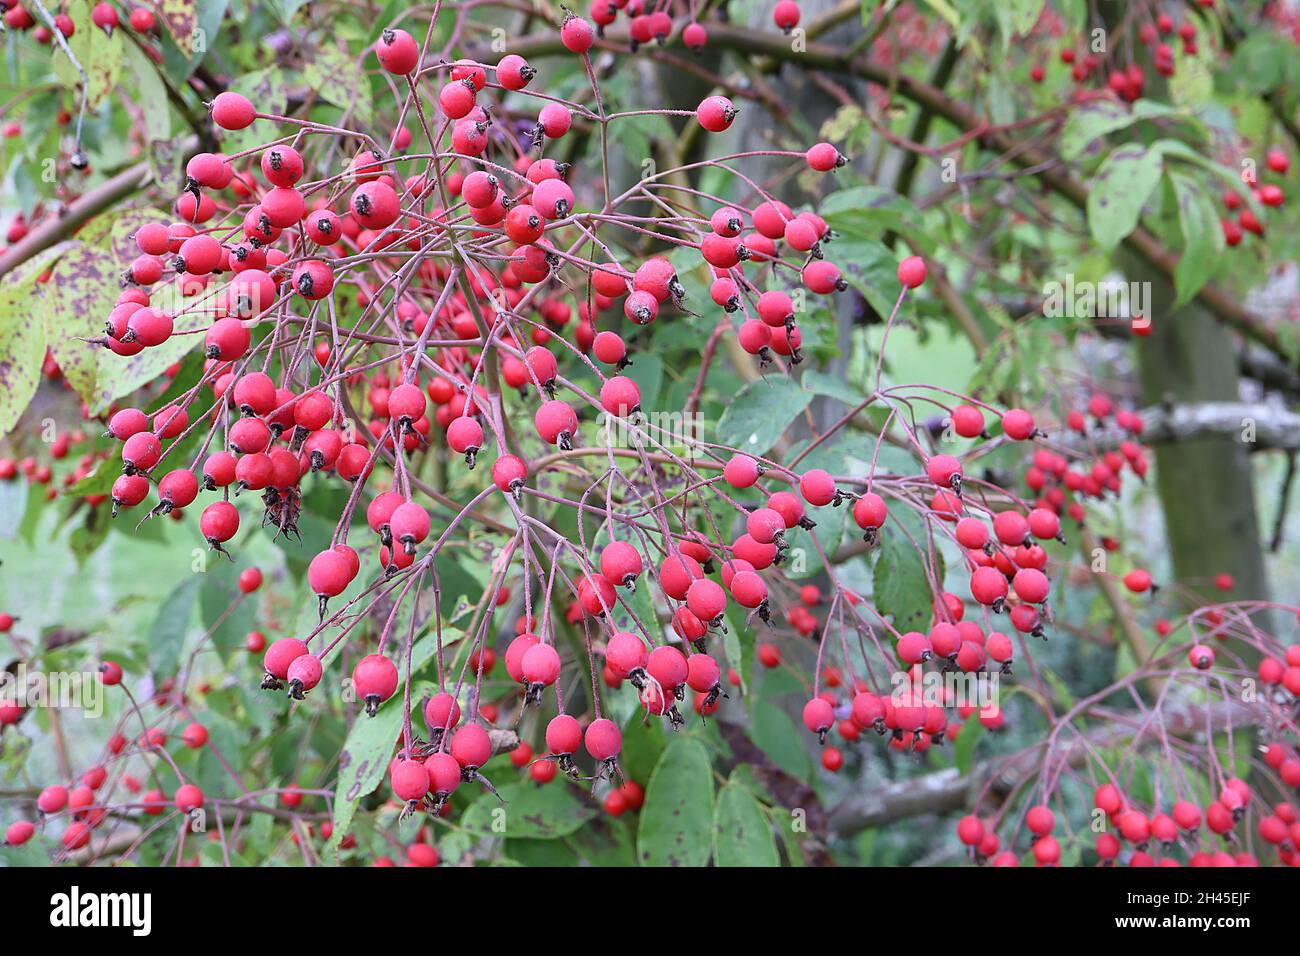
(81, 210)
(948, 791)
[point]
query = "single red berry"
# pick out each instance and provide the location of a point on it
(716, 113)
(441, 712)
(823, 157)
(911, 272)
(577, 34)
(786, 15)
(970, 830)
(375, 680)
(513, 72)
(823, 277)
(231, 111)
(509, 473)
(603, 739)
(397, 51)
(409, 780)
(188, 798)
(304, 674)
(817, 487)
(620, 396)
(540, 665)
(554, 120)
(110, 672)
(1018, 424)
(471, 746)
(456, 99)
(1201, 657)
(563, 735)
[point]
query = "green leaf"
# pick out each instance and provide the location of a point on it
(742, 835)
(648, 373)
(13, 505)
(738, 644)
(867, 211)
(1090, 121)
(676, 826)
(832, 386)
(285, 9)
(219, 591)
(180, 62)
(335, 73)
(150, 93)
(963, 751)
(871, 268)
(1202, 237)
(86, 539)
(643, 743)
(941, 7)
(1260, 62)
(1120, 189)
(900, 585)
(530, 812)
(363, 761)
(1097, 118)
(98, 482)
(774, 732)
(1016, 18)
(167, 634)
(760, 412)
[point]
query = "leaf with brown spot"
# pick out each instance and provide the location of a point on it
(363, 763)
(116, 231)
(1120, 189)
(181, 17)
(73, 306)
(100, 55)
(742, 835)
(335, 74)
(676, 826)
(531, 812)
(22, 347)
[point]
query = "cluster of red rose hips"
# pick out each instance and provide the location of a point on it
(103, 15)
(272, 434)
(79, 801)
(466, 276)
(1129, 83)
(38, 472)
(266, 436)
(649, 21)
(1268, 195)
(1151, 836)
